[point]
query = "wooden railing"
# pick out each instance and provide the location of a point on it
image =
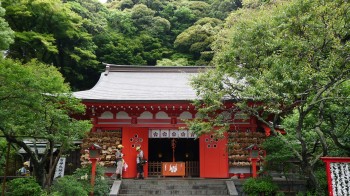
(192, 168)
(155, 169)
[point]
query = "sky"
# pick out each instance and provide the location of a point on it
(103, 1)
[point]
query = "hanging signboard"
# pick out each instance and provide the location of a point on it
(183, 133)
(172, 133)
(155, 133)
(164, 133)
(173, 169)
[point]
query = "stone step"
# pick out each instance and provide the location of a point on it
(175, 187)
(145, 186)
(170, 182)
(173, 192)
(143, 194)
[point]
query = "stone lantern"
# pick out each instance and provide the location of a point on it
(253, 157)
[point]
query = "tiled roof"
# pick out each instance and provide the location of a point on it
(142, 83)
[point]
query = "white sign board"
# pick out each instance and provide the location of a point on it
(60, 168)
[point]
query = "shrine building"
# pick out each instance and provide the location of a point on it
(146, 106)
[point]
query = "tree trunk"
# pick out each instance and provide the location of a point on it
(6, 167)
(52, 169)
(313, 182)
(48, 177)
(39, 174)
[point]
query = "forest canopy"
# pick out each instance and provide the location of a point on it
(77, 36)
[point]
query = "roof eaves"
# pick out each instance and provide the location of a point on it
(163, 69)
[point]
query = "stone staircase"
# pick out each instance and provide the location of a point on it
(168, 186)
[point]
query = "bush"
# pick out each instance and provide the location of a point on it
(79, 183)
(321, 175)
(101, 187)
(68, 185)
(259, 186)
(23, 187)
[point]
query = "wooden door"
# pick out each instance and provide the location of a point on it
(132, 137)
(213, 157)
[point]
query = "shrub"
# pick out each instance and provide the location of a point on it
(68, 185)
(79, 183)
(259, 186)
(101, 187)
(24, 187)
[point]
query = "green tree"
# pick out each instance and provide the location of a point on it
(336, 121)
(146, 22)
(222, 8)
(93, 15)
(198, 38)
(121, 22)
(118, 49)
(172, 62)
(142, 16)
(37, 105)
(199, 8)
(180, 18)
(51, 32)
(6, 34)
(291, 60)
(134, 37)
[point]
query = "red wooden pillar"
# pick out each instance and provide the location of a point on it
(267, 130)
(254, 160)
(94, 123)
(213, 157)
(94, 156)
(132, 137)
(93, 174)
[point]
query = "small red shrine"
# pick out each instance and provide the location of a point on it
(147, 106)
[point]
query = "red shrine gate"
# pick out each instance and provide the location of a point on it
(206, 155)
(139, 101)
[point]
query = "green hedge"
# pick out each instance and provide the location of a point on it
(259, 186)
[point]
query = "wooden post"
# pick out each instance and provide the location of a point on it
(254, 160)
(93, 174)
(94, 156)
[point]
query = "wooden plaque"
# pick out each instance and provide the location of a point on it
(173, 169)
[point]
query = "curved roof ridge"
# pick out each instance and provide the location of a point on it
(145, 68)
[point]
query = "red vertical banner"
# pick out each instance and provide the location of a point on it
(213, 157)
(131, 138)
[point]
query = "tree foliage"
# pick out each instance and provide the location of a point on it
(68, 33)
(6, 33)
(52, 33)
(172, 23)
(198, 38)
(37, 105)
(291, 59)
